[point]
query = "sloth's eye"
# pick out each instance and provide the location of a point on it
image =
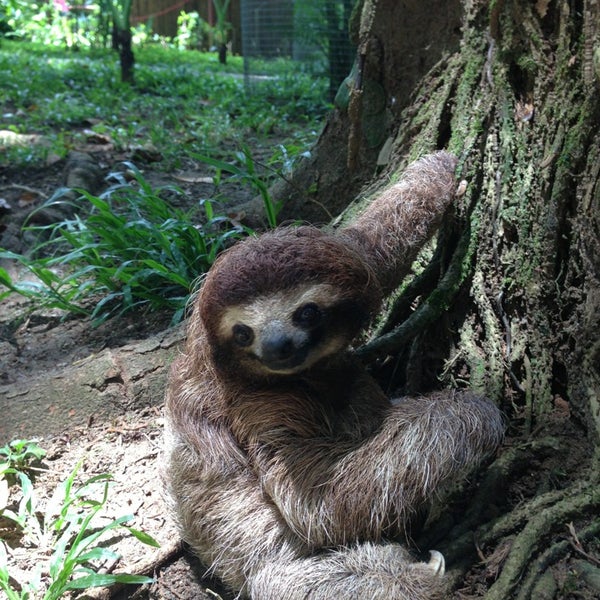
(242, 335)
(308, 315)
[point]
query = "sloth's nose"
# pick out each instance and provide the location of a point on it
(277, 346)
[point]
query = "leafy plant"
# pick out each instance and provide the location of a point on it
(68, 532)
(191, 29)
(170, 105)
(16, 455)
(52, 22)
(49, 288)
(246, 173)
(15, 461)
(133, 249)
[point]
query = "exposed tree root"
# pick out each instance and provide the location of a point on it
(525, 545)
(533, 582)
(430, 310)
(421, 284)
(495, 480)
(462, 538)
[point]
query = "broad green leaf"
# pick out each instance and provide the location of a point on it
(144, 537)
(103, 579)
(97, 553)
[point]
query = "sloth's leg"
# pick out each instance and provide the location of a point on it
(365, 571)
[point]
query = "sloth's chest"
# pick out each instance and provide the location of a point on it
(349, 407)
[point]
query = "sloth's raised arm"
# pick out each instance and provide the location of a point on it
(403, 217)
(332, 492)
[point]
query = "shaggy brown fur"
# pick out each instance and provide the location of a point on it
(290, 473)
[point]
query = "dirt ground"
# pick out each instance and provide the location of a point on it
(125, 439)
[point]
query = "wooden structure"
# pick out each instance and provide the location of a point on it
(162, 15)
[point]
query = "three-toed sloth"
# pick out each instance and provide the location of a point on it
(291, 474)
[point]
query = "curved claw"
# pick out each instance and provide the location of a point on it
(437, 562)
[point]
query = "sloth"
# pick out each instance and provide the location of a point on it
(290, 473)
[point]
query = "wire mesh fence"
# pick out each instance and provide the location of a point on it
(273, 36)
(306, 35)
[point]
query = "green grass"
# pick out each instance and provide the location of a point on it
(66, 531)
(132, 249)
(183, 101)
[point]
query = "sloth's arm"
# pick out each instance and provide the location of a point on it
(331, 492)
(403, 217)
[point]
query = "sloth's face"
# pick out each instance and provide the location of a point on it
(289, 331)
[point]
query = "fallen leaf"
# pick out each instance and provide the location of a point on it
(93, 137)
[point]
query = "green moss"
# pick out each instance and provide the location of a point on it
(467, 123)
(527, 63)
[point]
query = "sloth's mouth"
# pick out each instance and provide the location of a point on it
(288, 363)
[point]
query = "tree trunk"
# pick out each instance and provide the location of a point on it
(223, 54)
(122, 43)
(508, 300)
(399, 42)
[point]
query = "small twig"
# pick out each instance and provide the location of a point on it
(578, 547)
(125, 429)
(23, 188)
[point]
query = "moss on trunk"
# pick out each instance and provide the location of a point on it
(510, 301)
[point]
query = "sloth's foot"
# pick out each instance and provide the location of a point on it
(437, 563)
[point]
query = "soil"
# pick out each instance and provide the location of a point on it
(123, 437)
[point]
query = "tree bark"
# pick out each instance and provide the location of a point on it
(399, 42)
(507, 301)
(122, 43)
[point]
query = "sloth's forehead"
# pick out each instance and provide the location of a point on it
(278, 305)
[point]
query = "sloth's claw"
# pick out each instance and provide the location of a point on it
(437, 563)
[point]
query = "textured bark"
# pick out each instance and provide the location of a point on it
(508, 301)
